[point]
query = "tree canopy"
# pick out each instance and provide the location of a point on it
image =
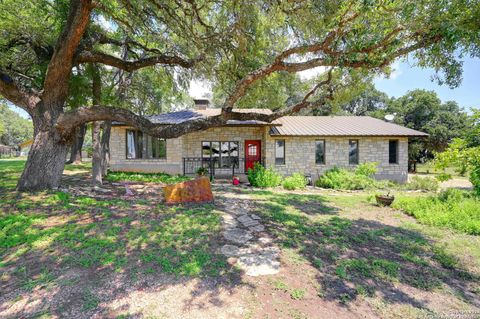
(247, 50)
(14, 129)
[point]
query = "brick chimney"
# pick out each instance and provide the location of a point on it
(201, 104)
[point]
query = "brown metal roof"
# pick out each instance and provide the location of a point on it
(339, 126)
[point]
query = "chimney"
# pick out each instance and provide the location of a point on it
(201, 104)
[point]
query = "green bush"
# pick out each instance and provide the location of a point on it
(259, 176)
(455, 209)
(339, 178)
(422, 183)
(296, 181)
(366, 169)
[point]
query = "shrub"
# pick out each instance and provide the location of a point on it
(454, 209)
(259, 176)
(422, 183)
(296, 181)
(366, 169)
(338, 178)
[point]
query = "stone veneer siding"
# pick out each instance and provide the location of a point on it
(299, 152)
(173, 164)
(300, 155)
(188, 145)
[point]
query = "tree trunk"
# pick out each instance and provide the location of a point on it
(97, 154)
(46, 159)
(96, 129)
(105, 146)
(76, 149)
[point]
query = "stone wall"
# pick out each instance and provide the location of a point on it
(299, 152)
(188, 145)
(300, 155)
(173, 164)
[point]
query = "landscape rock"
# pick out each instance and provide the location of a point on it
(237, 235)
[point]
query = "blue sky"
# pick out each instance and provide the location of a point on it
(407, 77)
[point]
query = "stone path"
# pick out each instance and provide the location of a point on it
(249, 245)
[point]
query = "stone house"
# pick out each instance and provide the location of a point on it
(306, 144)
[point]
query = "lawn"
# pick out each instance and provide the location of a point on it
(46, 235)
(64, 255)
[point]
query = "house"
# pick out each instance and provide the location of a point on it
(307, 144)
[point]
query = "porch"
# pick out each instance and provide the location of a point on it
(218, 168)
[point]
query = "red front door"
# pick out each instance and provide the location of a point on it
(253, 153)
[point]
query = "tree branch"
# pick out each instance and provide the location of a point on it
(60, 66)
(21, 97)
(70, 120)
(129, 66)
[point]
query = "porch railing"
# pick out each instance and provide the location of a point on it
(215, 166)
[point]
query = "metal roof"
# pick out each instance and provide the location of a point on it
(299, 125)
(339, 126)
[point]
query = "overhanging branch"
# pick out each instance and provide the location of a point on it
(129, 66)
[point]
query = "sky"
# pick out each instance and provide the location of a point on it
(404, 78)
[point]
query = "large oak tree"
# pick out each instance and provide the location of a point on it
(237, 45)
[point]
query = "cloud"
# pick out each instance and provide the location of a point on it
(396, 70)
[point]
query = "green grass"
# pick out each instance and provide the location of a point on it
(120, 235)
(145, 177)
(459, 212)
(352, 251)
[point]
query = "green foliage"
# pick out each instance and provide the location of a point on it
(339, 178)
(14, 129)
(297, 294)
(145, 177)
(296, 181)
(262, 177)
(460, 154)
(366, 169)
(422, 183)
(454, 209)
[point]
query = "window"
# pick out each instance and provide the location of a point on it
(223, 154)
(279, 152)
(143, 146)
(320, 152)
(353, 152)
(393, 151)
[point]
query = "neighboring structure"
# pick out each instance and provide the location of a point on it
(307, 144)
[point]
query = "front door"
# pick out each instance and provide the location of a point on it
(253, 153)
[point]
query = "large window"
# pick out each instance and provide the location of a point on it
(320, 152)
(353, 152)
(393, 151)
(222, 154)
(143, 146)
(279, 152)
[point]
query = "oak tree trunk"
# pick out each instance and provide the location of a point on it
(97, 154)
(105, 146)
(46, 159)
(76, 149)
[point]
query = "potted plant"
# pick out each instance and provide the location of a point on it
(202, 171)
(235, 180)
(385, 200)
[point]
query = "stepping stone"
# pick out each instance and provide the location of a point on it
(229, 221)
(265, 240)
(237, 235)
(258, 228)
(230, 250)
(261, 264)
(253, 216)
(247, 221)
